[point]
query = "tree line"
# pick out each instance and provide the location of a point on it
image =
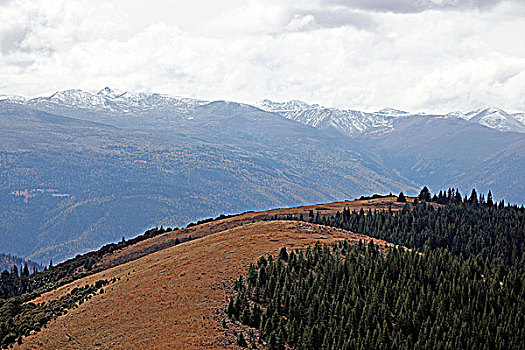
(18, 317)
(7, 261)
(472, 226)
(346, 296)
(462, 285)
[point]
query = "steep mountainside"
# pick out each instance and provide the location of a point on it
(448, 152)
(348, 122)
(496, 118)
(440, 150)
(79, 169)
(75, 181)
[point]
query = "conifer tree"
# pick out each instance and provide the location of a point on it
(424, 194)
(490, 201)
(401, 198)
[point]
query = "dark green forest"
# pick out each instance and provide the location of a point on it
(493, 233)
(7, 261)
(462, 285)
(20, 317)
(347, 296)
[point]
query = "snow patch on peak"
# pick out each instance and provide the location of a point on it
(114, 101)
(72, 98)
(349, 122)
(495, 118)
(288, 106)
(392, 112)
(110, 101)
(519, 117)
(12, 98)
(111, 93)
(455, 114)
(484, 110)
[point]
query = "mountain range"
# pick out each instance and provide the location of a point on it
(79, 169)
(350, 122)
(353, 123)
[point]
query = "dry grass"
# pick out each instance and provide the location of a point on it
(167, 300)
(168, 239)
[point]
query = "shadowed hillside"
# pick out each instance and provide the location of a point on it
(72, 183)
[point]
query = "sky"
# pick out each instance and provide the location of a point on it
(418, 55)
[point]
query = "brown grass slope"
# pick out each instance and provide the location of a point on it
(166, 296)
(167, 240)
(167, 300)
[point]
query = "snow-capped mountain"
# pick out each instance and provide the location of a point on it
(113, 101)
(12, 98)
(349, 122)
(126, 159)
(111, 93)
(354, 123)
(496, 118)
(282, 107)
(392, 112)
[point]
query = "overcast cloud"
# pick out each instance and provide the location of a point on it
(414, 6)
(419, 55)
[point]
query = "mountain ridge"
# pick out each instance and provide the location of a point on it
(349, 121)
(74, 179)
(354, 123)
(136, 161)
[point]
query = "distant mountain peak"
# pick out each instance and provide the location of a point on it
(347, 121)
(392, 112)
(109, 92)
(12, 98)
(59, 94)
(486, 109)
(72, 97)
(455, 114)
(292, 105)
(495, 118)
(113, 101)
(492, 109)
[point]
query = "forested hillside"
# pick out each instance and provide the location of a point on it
(7, 261)
(358, 297)
(461, 286)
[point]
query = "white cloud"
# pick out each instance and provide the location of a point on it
(415, 6)
(248, 50)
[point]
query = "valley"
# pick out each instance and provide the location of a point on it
(171, 288)
(81, 169)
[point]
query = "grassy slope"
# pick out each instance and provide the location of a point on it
(168, 299)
